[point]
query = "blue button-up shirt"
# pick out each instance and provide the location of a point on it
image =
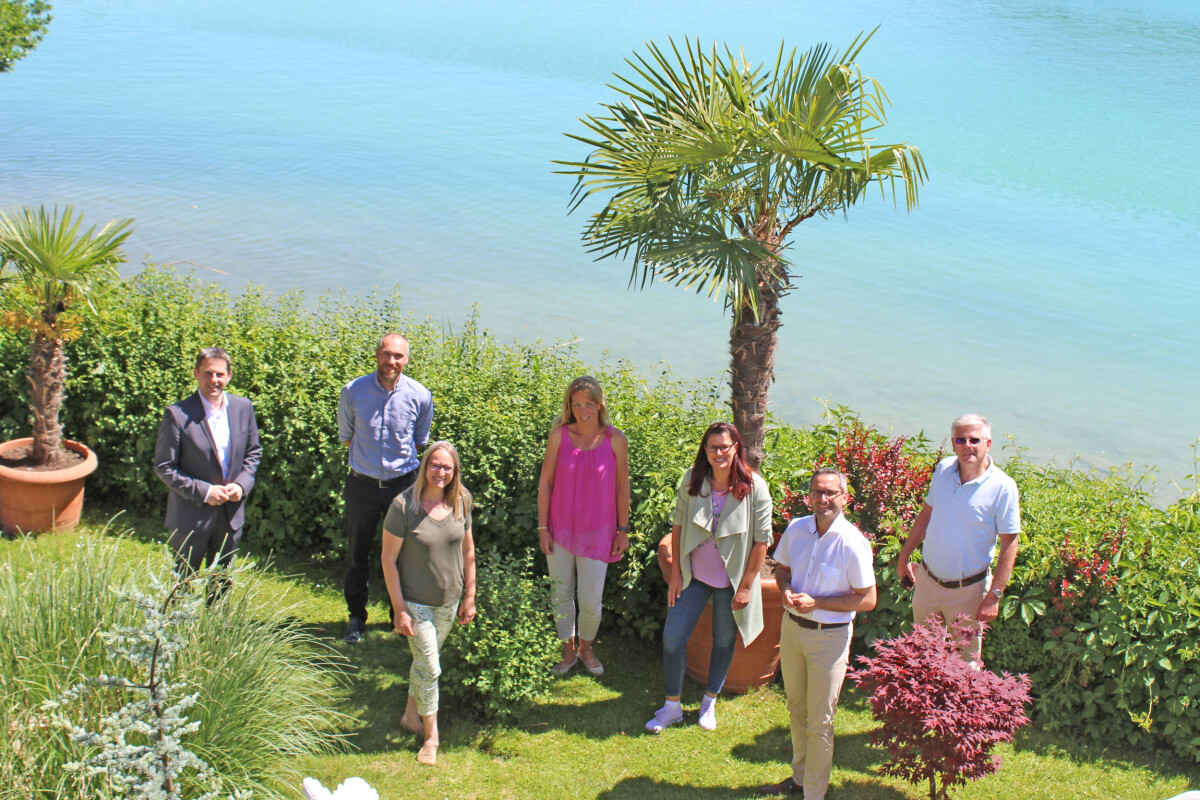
(384, 428)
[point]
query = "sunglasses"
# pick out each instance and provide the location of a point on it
(963, 440)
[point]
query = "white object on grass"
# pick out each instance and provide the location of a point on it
(352, 789)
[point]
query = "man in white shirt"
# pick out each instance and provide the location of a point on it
(826, 576)
(971, 504)
(207, 454)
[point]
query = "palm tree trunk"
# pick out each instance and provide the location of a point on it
(47, 372)
(752, 344)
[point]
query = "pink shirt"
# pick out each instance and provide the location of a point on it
(583, 502)
(707, 564)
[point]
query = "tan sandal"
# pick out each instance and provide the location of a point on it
(427, 754)
(564, 666)
(594, 667)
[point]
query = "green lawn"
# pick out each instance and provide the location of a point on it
(586, 740)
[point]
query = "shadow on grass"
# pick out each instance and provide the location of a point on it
(1063, 744)
(649, 788)
(642, 787)
(851, 750)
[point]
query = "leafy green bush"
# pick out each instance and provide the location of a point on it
(261, 679)
(1124, 663)
(23, 25)
(499, 665)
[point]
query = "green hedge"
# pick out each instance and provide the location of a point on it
(495, 402)
(1116, 663)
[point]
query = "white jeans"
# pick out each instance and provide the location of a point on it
(432, 625)
(569, 573)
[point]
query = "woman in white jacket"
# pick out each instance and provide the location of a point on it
(719, 539)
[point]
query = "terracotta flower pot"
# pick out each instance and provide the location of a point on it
(33, 501)
(752, 666)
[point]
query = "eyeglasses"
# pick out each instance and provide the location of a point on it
(964, 440)
(719, 449)
(825, 494)
(440, 468)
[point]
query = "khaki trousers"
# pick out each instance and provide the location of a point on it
(813, 664)
(930, 597)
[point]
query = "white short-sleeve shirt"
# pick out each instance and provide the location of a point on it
(218, 426)
(823, 566)
(967, 519)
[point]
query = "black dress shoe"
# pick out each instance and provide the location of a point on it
(354, 631)
(785, 786)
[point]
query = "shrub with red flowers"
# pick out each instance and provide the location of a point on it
(940, 715)
(1088, 566)
(887, 477)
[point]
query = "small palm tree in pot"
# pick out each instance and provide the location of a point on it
(47, 266)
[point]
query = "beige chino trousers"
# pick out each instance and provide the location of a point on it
(813, 664)
(930, 597)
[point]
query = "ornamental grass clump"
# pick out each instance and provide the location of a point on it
(139, 749)
(941, 716)
(238, 684)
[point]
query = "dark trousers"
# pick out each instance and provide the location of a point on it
(197, 549)
(366, 504)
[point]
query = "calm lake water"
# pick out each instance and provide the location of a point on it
(1048, 279)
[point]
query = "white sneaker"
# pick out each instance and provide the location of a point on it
(708, 716)
(665, 717)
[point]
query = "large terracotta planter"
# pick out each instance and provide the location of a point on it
(752, 666)
(33, 501)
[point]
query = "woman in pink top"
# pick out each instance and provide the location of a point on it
(583, 515)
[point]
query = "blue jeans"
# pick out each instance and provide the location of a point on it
(682, 618)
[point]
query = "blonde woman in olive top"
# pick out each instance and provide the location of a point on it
(429, 567)
(719, 540)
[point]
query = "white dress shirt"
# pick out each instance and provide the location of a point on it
(217, 420)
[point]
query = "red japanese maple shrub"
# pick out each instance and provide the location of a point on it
(941, 716)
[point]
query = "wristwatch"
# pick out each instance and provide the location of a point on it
(997, 593)
(623, 528)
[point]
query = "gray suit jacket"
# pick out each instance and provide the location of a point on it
(185, 458)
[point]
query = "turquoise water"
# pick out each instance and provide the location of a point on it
(1048, 279)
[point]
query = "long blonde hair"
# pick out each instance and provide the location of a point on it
(455, 493)
(590, 387)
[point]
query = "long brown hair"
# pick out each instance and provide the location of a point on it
(739, 474)
(455, 492)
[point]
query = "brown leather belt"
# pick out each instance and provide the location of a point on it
(967, 581)
(815, 626)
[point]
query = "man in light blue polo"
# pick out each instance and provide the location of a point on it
(384, 419)
(971, 504)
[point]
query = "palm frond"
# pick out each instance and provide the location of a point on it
(706, 162)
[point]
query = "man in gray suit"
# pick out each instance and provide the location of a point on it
(207, 453)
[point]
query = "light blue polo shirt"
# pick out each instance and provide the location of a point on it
(384, 429)
(967, 519)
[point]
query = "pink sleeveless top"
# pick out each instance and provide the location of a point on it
(583, 502)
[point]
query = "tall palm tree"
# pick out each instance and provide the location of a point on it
(55, 268)
(708, 162)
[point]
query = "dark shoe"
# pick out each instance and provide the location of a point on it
(354, 631)
(785, 786)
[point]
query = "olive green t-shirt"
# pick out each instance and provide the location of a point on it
(431, 556)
